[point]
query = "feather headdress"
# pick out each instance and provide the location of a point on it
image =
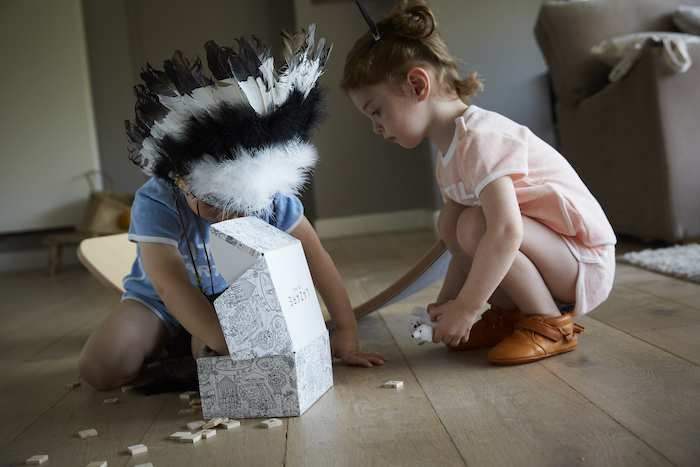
(236, 139)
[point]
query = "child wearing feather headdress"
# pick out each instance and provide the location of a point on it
(237, 145)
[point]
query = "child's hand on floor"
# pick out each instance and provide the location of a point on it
(346, 346)
(454, 324)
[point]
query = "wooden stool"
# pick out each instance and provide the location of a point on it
(55, 243)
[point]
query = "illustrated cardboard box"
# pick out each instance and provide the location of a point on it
(280, 361)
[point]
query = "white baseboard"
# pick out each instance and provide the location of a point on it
(376, 223)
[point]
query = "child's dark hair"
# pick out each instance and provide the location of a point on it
(409, 37)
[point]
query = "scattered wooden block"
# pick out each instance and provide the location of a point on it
(206, 434)
(212, 423)
(40, 459)
(97, 464)
(128, 389)
(137, 449)
(196, 425)
(87, 433)
(186, 412)
(144, 465)
(195, 401)
(113, 401)
(230, 424)
(73, 385)
(179, 434)
(271, 423)
(191, 437)
(188, 395)
(393, 384)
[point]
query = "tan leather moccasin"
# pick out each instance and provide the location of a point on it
(535, 338)
(495, 325)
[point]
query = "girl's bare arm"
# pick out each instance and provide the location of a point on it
(184, 300)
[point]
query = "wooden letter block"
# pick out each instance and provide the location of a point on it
(230, 424)
(179, 434)
(212, 423)
(186, 412)
(271, 423)
(393, 384)
(137, 449)
(40, 459)
(144, 465)
(191, 438)
(87, 433)
(97, 464)
(196, 425)
(206, 434)
(113, 401)
(73, 385)
(188, 395)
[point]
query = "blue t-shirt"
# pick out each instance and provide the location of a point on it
(155, 218)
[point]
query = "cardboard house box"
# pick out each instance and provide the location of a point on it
(279, 362)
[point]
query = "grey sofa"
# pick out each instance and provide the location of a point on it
(635, 142)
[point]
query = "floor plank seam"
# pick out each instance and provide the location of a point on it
(646, 342)
(432, 405)
(628, 430)
(38, 417)
(660, 297)
(155, 418)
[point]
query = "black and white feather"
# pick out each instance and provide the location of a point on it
(239, 137)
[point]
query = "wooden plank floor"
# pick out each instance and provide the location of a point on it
(629, 395)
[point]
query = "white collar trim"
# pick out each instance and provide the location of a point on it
(461, 120)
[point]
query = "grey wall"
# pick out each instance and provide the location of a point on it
(47, 135)
(496, 37)
(112, 72)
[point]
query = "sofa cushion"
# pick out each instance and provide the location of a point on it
(566, 31)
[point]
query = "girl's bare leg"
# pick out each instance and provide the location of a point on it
(461, 261)
(543, 269)
(130, 337)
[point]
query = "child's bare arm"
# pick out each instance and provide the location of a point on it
(171, 280)
(493, 258)
(345, 343)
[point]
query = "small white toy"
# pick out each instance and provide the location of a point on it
(422, 328)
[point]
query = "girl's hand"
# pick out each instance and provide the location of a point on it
(200, 349)
(346, 346)
(454, 325)
(430, 307)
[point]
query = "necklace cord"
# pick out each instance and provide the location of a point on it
(189, 248)
(204, 246)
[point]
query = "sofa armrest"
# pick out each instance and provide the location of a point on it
(636, 145)
(566, 31)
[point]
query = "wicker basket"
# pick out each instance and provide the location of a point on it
(104, 208)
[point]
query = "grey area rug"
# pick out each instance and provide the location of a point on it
(682, 261)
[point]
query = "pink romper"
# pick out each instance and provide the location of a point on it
(487, 146)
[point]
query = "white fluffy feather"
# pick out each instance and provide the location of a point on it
(248, 183)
